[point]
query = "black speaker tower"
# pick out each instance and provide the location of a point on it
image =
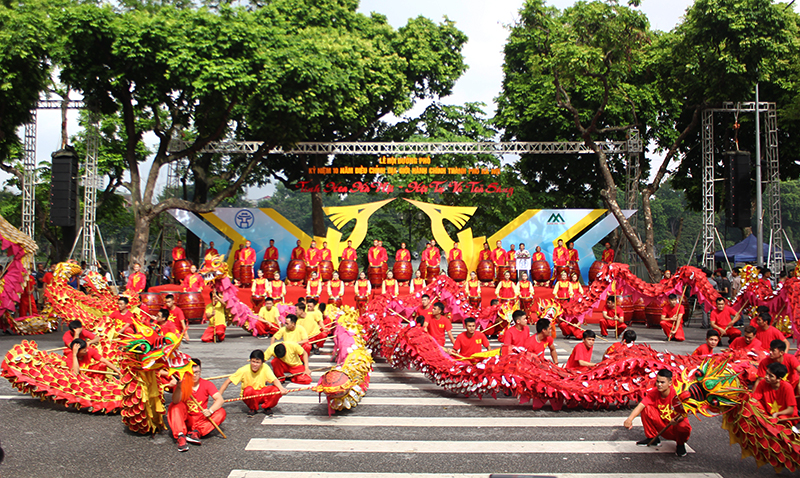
(64, 188)
(671, 262)
(738, 188)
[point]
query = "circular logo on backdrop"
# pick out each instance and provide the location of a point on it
(244, 219)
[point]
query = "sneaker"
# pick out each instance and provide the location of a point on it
(680, 450)
(263, 337)
(182, 446)
(251, 413)
(268, 412)
(646, 442)
(194, 438)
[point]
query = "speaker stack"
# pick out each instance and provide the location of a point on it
(738, 188)
(64, 188)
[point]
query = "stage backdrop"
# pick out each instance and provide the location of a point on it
(534, 227)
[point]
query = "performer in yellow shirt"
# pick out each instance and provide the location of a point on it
(290, 361)
(314, 323)
(254, 377)
(215, 313)
(291, 332)
(268, 319)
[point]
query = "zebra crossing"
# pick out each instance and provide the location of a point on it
(407, 427)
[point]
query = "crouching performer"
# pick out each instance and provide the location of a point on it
(190, 417)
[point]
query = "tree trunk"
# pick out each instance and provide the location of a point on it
(678, 236)
(141, 236)
(317, 214)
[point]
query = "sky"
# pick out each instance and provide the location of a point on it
(484, 22)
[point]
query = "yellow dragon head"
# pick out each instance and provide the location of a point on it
(63, 271)
(214, 268)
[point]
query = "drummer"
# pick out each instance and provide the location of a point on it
(499, 256)
(177, 316)
(572, 252)
(247, 256)
(178, 252)
(455, 254)
(312, 259)
(562, 289)
(259, 290)
(402, 254)
(325, 253)
(211, 251)
(277, 289)
(511, 260)
(525, 291)
(485, 254)
(506, 290)
(349, 253)
(335, 290)
(384, 254)
(560, 254)
(538, 255)
(575, 286)
(432, 256)
(417, 283)
(271, 254)
(374, 256)
(193, 282)
(298, 253)
(608, 254)
(390, 285)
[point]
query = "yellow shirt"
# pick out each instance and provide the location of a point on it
(317, 315)
(256, 380)
(297, 335)
(217, 313)
(270, 315)
(309, 322)
(293, 357)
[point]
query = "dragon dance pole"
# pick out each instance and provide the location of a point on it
(197, 404)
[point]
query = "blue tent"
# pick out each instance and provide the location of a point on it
(745, 251)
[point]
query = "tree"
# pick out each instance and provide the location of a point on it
(595, 70)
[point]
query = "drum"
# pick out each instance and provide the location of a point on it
(627, 308)
(559, 270)
(192, 305)
(180, 269)
(403, 271)
(237, 269)
(375, 277)
(597, 266)
(270, 267)
(574, 269)
(540, 271)
(639, 314)
(385, 268)
(337, 301)
(653, 312)
(431, 273)
(485, 271)
(296, 271)
(501, 271)
(245, 273)
(457, 270)
(348, 270)
(151, 302)
(326, 270)
(513, 274)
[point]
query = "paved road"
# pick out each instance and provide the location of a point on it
(405, 426)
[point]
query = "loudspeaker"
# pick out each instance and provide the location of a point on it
(671, 262)
(738, 188)
(64, 188)
(122, 261)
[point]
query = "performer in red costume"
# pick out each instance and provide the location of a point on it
(362, 288)
(384, 254)
(259, 291)
(775, 395)
(254, 378)
(672, 319)
(402, 254)
(193, 282)
(438, 325)
(277, 288)
(455, 254)
(349, 253)
(247, 256)
(517, 335)
(271, 254)
(290, 361)
(314, 286)
(538, 255)
(560, 254)
(469, 342)
(432, 256)
(27, 301)
(417, 283)
(298, 253)
(712, 340)
(486, 253)
(425, 309)
(562, 289)
(498, 255)
(572, 253)
(335, 290)
(608, 254)
(325, 253)
(748, 341)
(211, 251)
(178, 252)
(777, 354)
(525, 292)
(580, 360)
(613, 318)
(137, 281)
(506, 290)
(374, 255)
(390, 285)
(473, 289)
(722, 319)
(176, 316)
(766, 333)
(312, 258)
(190, 418)
(661, 409)
(537, 342)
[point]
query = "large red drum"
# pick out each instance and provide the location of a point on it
(627, 305)
(485, 271)
(192, 305)
(348, 270)
(501, 271)
(180, 269)
(270, 267)
(151, 302)
(559, 270)
(296, 271)
(653, 314)
(375, 277)
(597, 266)
(326, 270)
(245, 273)
(403, 270)
(431, 273)
(457, 270)
(540, 271)
(237, 270)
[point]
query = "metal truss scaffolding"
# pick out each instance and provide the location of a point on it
(29, 178)
(90, 180)
(773, 184)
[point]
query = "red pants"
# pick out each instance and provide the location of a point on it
(667, 328)
(265, 402)
(569, 329)
(653, 423)
(609, 324)
(318, 340)
(307, 347)
(181, 421)
(263, 328)
(361, 303)
(733, 332)
(280, 369)
(210, 332)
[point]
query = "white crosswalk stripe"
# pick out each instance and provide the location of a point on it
(445, 422)
(306, 474)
